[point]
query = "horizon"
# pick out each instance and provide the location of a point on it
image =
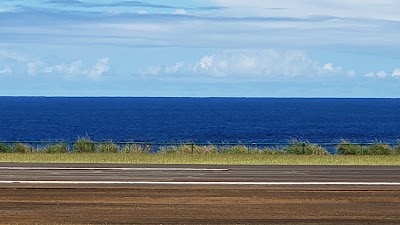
(200, 48)
(199, 97)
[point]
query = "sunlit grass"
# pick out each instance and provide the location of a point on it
(223, 159)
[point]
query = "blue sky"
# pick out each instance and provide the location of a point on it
(252, 48)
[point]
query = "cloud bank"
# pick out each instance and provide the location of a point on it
(72, 70)
(247, 24)
(268, 63)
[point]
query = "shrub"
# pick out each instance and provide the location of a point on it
(296, 148)
(23, 148)
(4, 148)
(56, 148)
(305, 148)
(347, 148)
(379, 149)
(136, 148)
(84, 145)
(107, 147)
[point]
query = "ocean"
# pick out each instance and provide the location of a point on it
(201, 120)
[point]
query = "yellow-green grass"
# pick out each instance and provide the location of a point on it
(222, 159)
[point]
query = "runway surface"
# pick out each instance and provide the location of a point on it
(198, 194)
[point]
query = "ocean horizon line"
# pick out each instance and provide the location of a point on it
(194, 97)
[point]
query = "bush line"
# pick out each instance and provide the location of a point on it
(86, 145)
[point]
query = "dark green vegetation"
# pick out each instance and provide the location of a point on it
(5, 148)
(379, 148)
(295, 147)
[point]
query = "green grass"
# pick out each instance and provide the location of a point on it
(84, 145)
(223, 159)
(55, 148)
(305, 148)
(379, 148)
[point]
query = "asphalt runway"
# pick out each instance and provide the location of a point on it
(198, 194)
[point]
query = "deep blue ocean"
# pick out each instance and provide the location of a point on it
(213, 120)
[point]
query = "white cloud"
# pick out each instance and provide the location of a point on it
(6, 70)
(69, 70)
(380, 74)
(270, 63)
(396, 72)
(34, 67)
(101, 67)
(249, 63)
(72, 70)
(330, 68)
(204, 63)
(175, 68)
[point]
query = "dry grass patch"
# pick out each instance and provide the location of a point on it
(222, 159)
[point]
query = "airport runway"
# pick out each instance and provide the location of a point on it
(198, 194)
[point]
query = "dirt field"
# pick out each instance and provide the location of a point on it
(158, 205)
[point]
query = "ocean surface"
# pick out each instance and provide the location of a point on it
(213, 120)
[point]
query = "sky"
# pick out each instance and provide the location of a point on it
(203, 48)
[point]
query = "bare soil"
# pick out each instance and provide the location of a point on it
(164, 205)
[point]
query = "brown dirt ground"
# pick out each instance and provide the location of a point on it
(163, 205)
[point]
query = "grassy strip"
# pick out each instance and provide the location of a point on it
(222, 159)
(295, 147)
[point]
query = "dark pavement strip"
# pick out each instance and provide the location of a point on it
(197, 173)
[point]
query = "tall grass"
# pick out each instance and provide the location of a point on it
(56, 148)
(347, 148)
(23, 148)
(237, 149)
(295, 147)
(107, 147)
(397, 149)
(189, 149)
(135, 149)
(305, 148)
(84, 145)
(379, 148)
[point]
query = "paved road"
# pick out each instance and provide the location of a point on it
(197, 173)
(198, 194)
